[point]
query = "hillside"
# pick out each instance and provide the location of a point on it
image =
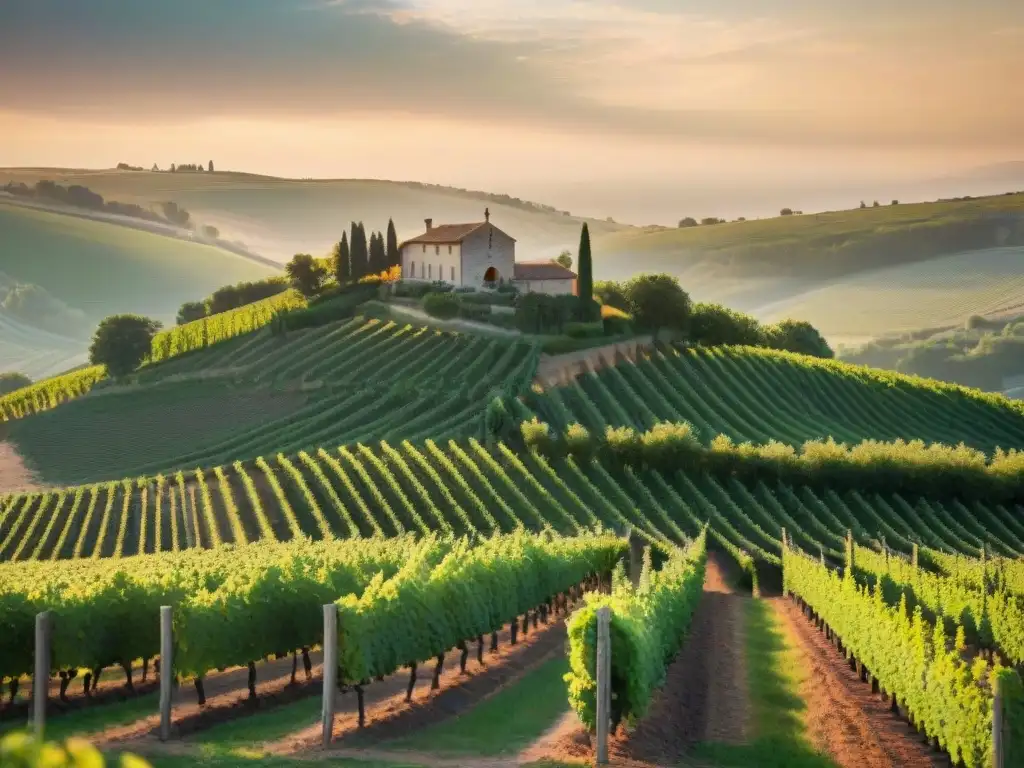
(327, 458)
(34, 352)
(261, 394)
(277, 217)
(855, 274)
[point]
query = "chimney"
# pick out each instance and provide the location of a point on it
(487, 214)
(429, 223)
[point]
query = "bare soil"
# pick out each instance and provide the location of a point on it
(704, 697)
(855, 726)
(387, 714)
(15, 476)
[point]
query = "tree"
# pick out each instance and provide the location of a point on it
(306, 274)
(895, 202)
(9, 382)
(658, 301)
(613, 294)
(211, 166)
(875, 204)
(713, 325)
(689, 221)
(156, 168)
(565, 259)
(378, 257)
(173, 169)
(863, 204)
(360, 256)
(585, 278)
(191, 311)
(394, 256)
(122, 343)
(340, 260)
(786, 212)
(210, 231)
(798, 336)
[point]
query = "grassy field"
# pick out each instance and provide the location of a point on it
(279, 217)
(103, 269)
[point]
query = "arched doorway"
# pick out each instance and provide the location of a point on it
(491, 276)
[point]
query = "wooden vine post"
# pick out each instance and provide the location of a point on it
(998, 744)
(785, 546)
(330, 670)
(604, 674)
(41, 677)
(166, 670)
(636, 557)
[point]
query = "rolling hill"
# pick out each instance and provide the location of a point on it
(855, 274)
(278, 217)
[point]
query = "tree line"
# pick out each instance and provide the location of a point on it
(231, 297)
(353, 258)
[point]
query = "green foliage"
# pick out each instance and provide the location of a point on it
(12, 382)
(798, 336)
(565, 259)
(443, 306)
(657, 301)
(649, 624)
(21, 750)
(714, 325)
(341, 259)
(340, 305)
(122, 343)
(190, 312)
(588, 330)
(540, 313)
(217, 328)
(612, 294)
(949, 698)
(472, 591)
(306, 274)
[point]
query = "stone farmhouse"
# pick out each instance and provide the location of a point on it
(479, 255)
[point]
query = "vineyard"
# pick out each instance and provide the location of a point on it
(759, 395)
(358, 381)
(190, 337)
(413, 478)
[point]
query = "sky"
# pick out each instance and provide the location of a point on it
(635, 106)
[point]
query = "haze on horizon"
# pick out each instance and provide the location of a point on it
(642, 109)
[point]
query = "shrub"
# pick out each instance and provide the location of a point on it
(321, 311)
(615, 321)
(477, 312)
(536, 435)
(584, 330)
(443, 306)
(579, 443)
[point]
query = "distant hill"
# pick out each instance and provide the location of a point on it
(95, 269)
(797, 264)
(277, 217)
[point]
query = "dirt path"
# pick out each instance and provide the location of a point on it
(387, 714)
(15, 477)
(704, 698)
(844, 718)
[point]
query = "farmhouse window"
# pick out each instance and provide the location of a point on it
(430, 271)
(453, 280)
(412, 273)
(449, 249)
(424, 248)
(437, 250)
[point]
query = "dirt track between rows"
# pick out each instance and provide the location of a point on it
(844, 718)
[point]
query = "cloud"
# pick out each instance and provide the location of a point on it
(641, 68)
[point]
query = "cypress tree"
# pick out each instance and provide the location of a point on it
(378, 254)
(358, 251)
(394, 258)
(585, 280)
(342, 265)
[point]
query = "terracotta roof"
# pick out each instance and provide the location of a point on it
(446, 233)
(541, 270)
